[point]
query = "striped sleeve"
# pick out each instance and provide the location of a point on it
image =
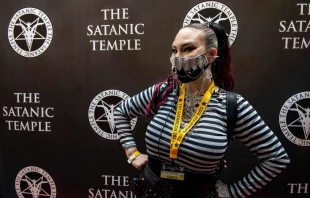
(251, 130)
(127, 110)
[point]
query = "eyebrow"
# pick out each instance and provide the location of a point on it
(188, 43)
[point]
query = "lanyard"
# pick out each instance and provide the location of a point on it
(177, 135)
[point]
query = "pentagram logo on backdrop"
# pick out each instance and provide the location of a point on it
(213, 11)
(30, 32)
(101, 113)
(295, 119)
(34, 182)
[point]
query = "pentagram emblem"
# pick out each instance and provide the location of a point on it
(101, 113)
(216, 12)
(30, 32)
(295, 119)
(34, 182)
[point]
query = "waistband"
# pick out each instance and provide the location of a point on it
(189, 178)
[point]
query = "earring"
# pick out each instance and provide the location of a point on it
(174, 74)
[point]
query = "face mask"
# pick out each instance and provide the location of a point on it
(189, 69)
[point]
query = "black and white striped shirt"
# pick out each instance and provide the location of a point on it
(205, 145)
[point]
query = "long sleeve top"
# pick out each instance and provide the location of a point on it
(205, 145)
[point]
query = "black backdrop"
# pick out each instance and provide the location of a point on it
(70, 76)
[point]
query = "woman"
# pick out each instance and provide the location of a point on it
(188, 135)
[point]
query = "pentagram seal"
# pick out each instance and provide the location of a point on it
(34, 182)
(101, 113)
(30, 32)
(216, 12)
(294, 119)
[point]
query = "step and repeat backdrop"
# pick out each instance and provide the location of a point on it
(67, 64)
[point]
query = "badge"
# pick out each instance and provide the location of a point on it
(174, 172)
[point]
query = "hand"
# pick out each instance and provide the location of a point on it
(222, 190)
(139, 162)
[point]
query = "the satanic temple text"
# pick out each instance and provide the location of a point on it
(123, 36)
(302, 26)
(28, 114)
(115, 187)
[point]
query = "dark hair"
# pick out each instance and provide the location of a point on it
(215, 37)
(171, 82)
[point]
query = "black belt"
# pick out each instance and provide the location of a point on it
(189, 178)
(156, 187)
